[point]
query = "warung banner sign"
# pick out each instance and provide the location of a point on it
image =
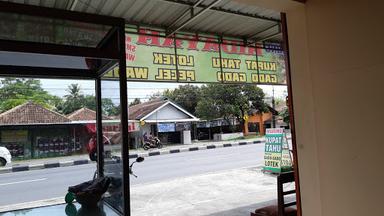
(152, 58)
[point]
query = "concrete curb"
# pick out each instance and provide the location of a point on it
(50, 165)
(195, 148)
(22, 168)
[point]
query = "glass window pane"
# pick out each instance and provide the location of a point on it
(113, 164)
(50, 61)
(20, 27)
(45, 121)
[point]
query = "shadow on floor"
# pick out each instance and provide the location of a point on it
(244, 210)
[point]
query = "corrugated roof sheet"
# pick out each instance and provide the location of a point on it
(164, 12)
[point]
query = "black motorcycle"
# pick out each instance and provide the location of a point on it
(154, 142)
(89, 193)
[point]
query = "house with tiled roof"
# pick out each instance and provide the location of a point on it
(138, 111)
(31, 113)
(159, 110)
(110, 128)
(164, 119)
(33, 131)
(82, 114)
(85, 114)
(254, 118)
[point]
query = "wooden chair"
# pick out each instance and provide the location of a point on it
(282, 208)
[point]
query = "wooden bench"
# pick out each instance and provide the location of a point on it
(282, 208)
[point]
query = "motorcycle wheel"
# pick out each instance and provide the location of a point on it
(93, 156)
(159, 145)
(146, 146)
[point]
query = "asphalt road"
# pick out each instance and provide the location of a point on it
(52, 183)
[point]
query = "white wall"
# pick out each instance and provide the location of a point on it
(345, 41)
(337, 70)
(168, 112)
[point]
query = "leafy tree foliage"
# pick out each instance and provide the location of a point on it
(156, 95)
(135, 102)
(187, 96)
(224, 101)
(16, 91)
(285, 115)
(75, 100)
(213, 101)
(109, 108)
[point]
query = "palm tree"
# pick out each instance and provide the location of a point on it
(74, 99)
(74, 91)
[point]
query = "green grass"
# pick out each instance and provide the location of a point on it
(253, 136)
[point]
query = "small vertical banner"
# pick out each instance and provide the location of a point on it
(273, 149)
(277, 157)
(286, 159)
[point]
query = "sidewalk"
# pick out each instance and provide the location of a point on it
(44, 163)
(231, 193)
(234, 192)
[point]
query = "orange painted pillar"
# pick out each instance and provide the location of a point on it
(261, 124)
(245, 127)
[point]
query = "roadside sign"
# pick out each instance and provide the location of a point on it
(273, 149)
(286, 159)
(166, 127)
(277, 157)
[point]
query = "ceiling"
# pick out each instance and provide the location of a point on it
(220, 17)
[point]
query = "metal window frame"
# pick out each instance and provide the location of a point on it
(111, 47)
(116, 39)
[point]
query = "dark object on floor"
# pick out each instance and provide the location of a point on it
(282, 208)
(70, 210)
(89, 193)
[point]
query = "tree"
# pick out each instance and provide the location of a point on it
(74, 100)
(135, 102)
(16, 91)
(107, 106)
(285, 115)
(90, 102)
(225, 101)
(187, 96)
(156, 96)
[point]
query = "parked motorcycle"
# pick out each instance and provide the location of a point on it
(154, 142)
(89, 193)
(138, 160)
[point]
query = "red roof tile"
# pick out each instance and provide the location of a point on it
(31, 113)
(84, 114)
(139, 111)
